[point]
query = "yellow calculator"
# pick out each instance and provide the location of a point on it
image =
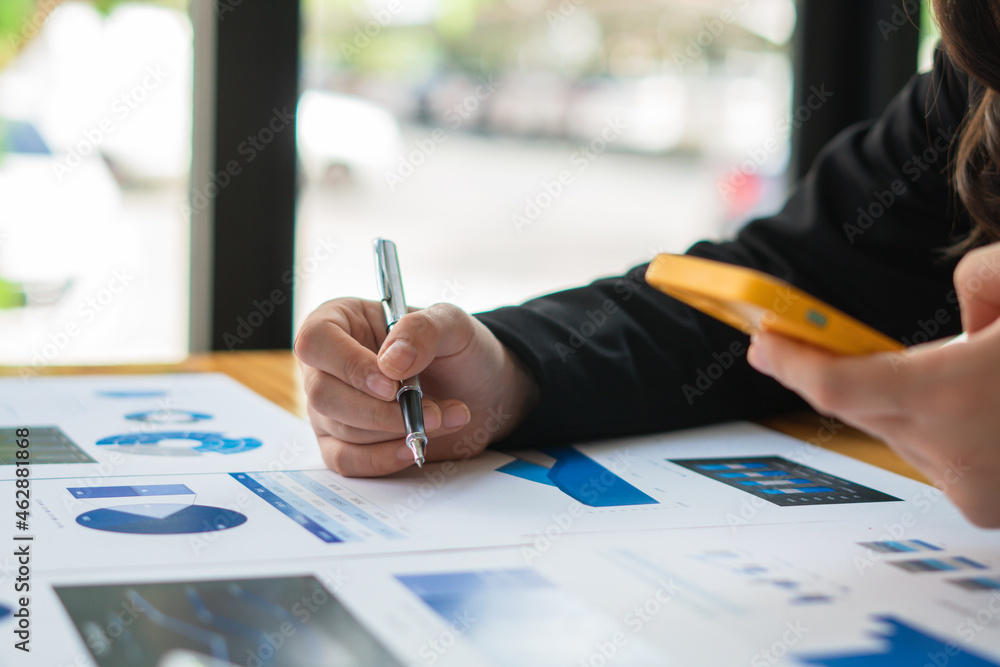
(754, 301)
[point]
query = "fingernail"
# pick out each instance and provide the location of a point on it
(381, 386)
(456, 415)
(432, 416)
(399, 357)
(404, 453)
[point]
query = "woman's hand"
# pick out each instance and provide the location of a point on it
(938, 407)
(475, 390)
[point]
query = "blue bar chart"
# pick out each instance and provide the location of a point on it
(899, 546)
(48, 445)
(319, 503)
(783, 482)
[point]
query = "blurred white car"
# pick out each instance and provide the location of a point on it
(117, 86)
(340, 136)
(52, 209)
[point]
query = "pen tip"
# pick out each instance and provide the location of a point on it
(420, 462)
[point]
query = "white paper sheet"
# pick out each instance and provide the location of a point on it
(151, 425)
(832, 595)
(633, 552)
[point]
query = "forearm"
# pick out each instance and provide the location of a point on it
(617, 357)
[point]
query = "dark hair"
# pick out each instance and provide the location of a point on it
(970, 30)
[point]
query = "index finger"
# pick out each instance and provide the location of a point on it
(339, 339)
(863, 384)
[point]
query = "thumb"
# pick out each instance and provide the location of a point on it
(420, 337)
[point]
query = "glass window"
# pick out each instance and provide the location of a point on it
(95, 110)
(514, 147)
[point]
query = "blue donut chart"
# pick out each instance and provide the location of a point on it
(191, 519)
(168, 416)
(209, 441)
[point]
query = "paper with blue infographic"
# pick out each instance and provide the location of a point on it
(818, 595)
(161, 491)
(196, 468)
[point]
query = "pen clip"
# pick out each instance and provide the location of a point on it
(390, 283)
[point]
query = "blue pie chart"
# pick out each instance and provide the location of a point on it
(161, 519)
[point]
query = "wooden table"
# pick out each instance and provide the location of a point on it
(275, 376)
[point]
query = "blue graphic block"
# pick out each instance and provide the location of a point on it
(907, 646)
(529, 471)
(129, 491)
(581, 478)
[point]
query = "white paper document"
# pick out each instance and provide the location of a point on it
(183, 520)
(100, 426)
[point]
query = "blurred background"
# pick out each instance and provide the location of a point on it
(509, 147)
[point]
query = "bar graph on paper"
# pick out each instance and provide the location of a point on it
(320, 504)
(782, 482)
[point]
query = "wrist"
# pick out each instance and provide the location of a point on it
(520, 396)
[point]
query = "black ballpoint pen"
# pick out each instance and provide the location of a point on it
(390, 285)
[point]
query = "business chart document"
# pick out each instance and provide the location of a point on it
(182, 519)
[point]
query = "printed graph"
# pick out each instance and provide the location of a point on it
(132, 393)
(516, 616)
(578, 476)
(905, 645)
(326, 508)
(978, 584)
(168, 416)
(152, 509)
(178, 443)
(278, 622)
(48, 445)
(899, 547)
(797, 585)
(730, 583)
(783, 482)
(922, 565)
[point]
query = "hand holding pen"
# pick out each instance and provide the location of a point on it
(390, 284)
(475, 391)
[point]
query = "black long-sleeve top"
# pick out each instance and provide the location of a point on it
(865, 231)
